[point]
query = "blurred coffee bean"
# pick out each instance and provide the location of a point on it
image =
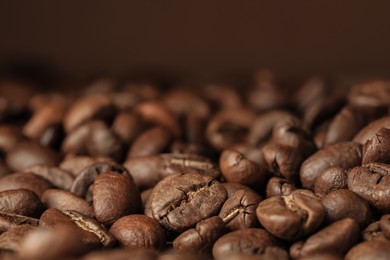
(127, 126)
(291, 217)
(153, 141)
(59, 178)
(9, 137)
(179, 202)
(10, 221)
(25, 180)
(373, 232)
(75, 164)
(385, 225)
(138, 231)
(232, 187)
(375, 249)
(346, 155)
(221, 96)
(278, 187)
(21, 201)
(331, 179)
(372, 93)
(123, 254)
(201, 238)
(11, 239)
(239, 210)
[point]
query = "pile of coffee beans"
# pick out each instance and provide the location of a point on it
(131, 170)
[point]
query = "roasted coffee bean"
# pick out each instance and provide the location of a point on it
(153, 141)
(123, 254)
(9, 137)
(88, 108)
(201, 238)
(127, 126)
(26, 154)
(11, 239)
(138, 231)
(344, 203)
(21, 201)
(145, 195)
(283, 161)
(236, 168)
(65, 200)
(385, 225)
(232, 187)
(154, 112)
(291, 217)
(25, 180)
(92, 233)
(75, 141)
(75, 164)
(377, 148)
(373, 231)
(221, 96)
(239, 210)
(114, 196)
(252, 241)
(371, 129)
(229, 127)
(278, 187)
(178, 255)
(371, 182)
(331, 179)
(345, 155)
(88, 175)
(179, 202)
(337, 238)
(59, 178)
(375, 249)
(255, 154)
(10, 220)
(145, 170)
(52, 136)
(322, 256)
(373, 93)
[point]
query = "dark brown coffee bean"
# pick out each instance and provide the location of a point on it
(376, 249)
(52, 136)
(385, 225)
(65, 200)
(291, 217)
(9, 137)
(123, 254)
(371, 129)
(343, 203)
(229, 127)
(75, 164)
(337, 238)
(127, 126)
(331, 179)
(371, 182)
(255, 154)
(153, 141)
(87, 108)
(154, 112)
(59, 178)
(145, 170)
(25, 154)
(322, 256)
(377, 149)
(24, 180)
(283, 161)
(11, 239)
(345, 155)
(138, 231)
(236, 168)
(75, 141)
(145, 195)
(373, 231)
(372, 93)
(178, 255)
(239, 210)
(221, 95)
(179, 202)
(252, 241)
(88, 175)
(10, 220)
(201, 238)
(278, 187)
(21, 201)
(232, 187)
(114, 196)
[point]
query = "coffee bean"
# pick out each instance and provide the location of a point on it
(278, 187)
(9, 137)
(122, 254)
(331, 179)
(75, 141)
(371, 129)
(376, 249)
(59, 178)
(236, 168)
(232, 187)
(373, 231)
(373, 93)
(201, 238)
(345, 155)
(385, 225)
(138, 231)
(75, 164)
(11, 239)
(337, 238)
(291, 217)
(221, 95)
(371, 182)
(127, 126)
(21, 201)
(150, 142)
(344, 203)
(377, 149)
(114, 196)
(10, 220)
(322, 256)
(239, 210)
(145, 195)
(64, 200)
(25, 180)
(179, 202)
(253, 241)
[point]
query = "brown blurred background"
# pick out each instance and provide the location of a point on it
(199, 38)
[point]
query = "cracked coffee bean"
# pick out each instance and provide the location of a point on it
(278, 187)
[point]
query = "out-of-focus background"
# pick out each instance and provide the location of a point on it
(199, 38)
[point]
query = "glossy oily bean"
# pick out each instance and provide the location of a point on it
(376, 249)
(331, 179)
(278, 187)
(377, 148)
(371, 129)
(138, 231)
(371, 182)
(337, 238)
(345, 155)
(344, 203)
(179, 202)
(24, 180)
(239, 210)
(21, 201)
(202, 237)
(291, 217)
